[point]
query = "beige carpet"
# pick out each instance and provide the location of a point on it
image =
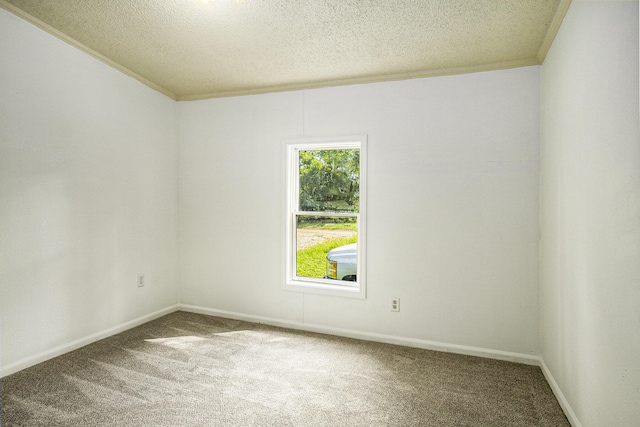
(187, 369)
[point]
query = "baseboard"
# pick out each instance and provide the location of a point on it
(65, 348)
(369, 336)
(564, 404)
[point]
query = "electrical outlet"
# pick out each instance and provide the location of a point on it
(140, 280)
(395, 304)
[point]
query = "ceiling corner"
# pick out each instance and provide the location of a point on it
(554, 27)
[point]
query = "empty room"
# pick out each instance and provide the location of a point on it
(319, 213)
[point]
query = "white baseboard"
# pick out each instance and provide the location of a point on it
(369, 336)
(349, 333)
(564, 404)
(65, 348)
(409, 342)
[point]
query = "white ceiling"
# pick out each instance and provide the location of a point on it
(190, 50)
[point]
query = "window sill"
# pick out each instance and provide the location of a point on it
(325, 287)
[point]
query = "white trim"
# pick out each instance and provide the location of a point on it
(554, 27)
(290, 281)
(81, 342)
(291, 324)
(83, 48)
(369, 336)
(527, 62)
(564, 404)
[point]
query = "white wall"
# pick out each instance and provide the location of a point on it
(453, 206)
(590, 213)
(89, 191)
(230, 207)
(88, 194)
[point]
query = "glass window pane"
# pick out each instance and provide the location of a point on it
(329, 180)
(316, 236)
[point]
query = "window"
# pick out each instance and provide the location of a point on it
(325, 216)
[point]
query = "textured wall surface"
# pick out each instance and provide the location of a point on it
(452, 206)
(192, 49)
(590, 213)
(87, 194)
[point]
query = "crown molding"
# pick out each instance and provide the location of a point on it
(366, 79)
(552, 31)
(71, 41)
(561, 12)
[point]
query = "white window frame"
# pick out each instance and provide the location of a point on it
(292, 282)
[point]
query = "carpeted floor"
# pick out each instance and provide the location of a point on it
(187, 369)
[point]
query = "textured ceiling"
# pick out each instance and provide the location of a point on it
(188, 49)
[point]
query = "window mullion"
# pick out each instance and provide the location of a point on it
(328, 214)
